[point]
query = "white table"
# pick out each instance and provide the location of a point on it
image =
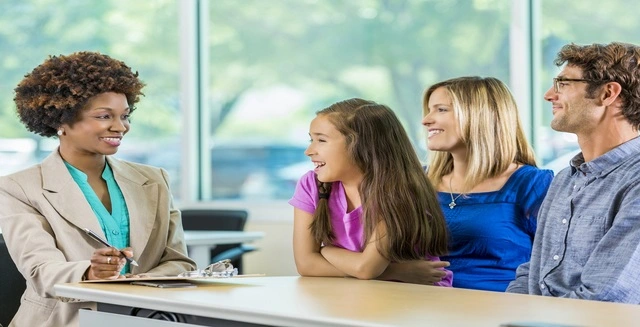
(200, 243)
(321, 301)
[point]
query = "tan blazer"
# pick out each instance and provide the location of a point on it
(42, 216)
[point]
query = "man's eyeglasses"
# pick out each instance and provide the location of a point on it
(558, 82)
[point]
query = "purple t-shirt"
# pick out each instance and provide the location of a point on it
(347, 226)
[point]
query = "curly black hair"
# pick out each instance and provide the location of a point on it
(56, 91)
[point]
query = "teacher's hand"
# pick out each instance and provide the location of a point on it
(106, 263)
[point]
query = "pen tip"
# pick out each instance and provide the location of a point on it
(133, 262)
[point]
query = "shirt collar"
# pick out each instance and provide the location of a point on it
(605, 163)
(78, 175)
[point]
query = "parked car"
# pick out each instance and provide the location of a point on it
(251, 170)
(239, 170)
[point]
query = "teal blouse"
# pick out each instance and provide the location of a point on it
(114, 224)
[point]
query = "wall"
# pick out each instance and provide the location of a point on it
(275, 253)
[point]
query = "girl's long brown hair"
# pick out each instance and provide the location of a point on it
(394, 191)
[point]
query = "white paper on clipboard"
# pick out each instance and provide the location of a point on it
(218, 270)
(167, 278)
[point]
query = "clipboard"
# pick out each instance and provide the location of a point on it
(220, 270)
(167, 279)
(164, 284)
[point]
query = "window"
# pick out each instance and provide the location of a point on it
(273, 64)
(579, 22)
(268, 66)
(143, 34)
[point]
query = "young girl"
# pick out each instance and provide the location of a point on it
(367, 210)
(489, 187)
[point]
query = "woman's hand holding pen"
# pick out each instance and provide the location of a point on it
(107, 262)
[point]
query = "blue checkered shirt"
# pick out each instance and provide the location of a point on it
(587, 244)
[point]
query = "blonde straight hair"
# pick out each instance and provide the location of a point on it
(487, 115)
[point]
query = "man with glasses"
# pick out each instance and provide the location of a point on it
(587, 244)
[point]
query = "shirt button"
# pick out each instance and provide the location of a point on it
(564, 221)
(115, 232)
(556, 257)
(542, 286)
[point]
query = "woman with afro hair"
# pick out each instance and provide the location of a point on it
(84, 99)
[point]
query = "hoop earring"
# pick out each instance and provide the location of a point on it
(60, 131)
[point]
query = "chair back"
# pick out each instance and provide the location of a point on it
(214, 219)
(12, 285)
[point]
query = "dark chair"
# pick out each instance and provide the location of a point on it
(224, 220)
(12, 285)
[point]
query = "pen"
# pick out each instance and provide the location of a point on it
(103, 241)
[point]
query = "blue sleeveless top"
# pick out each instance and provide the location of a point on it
(491, 233)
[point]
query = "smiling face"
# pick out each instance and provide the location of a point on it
(441, 123)
(99, 128)
(573, 112)
(328, 151)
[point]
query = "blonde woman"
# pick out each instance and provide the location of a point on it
(485, 173)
